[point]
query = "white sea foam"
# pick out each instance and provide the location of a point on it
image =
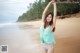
(6, 24)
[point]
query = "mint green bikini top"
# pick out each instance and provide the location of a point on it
(46, 35)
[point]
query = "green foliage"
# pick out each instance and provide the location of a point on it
(64, 9)
(35, 10)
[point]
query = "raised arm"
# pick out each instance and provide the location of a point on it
(45, 11)
(55, 14)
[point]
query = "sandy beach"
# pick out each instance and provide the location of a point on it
(24, 37)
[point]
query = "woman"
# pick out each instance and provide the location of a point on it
(47, 29)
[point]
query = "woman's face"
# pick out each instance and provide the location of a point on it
(49, 17)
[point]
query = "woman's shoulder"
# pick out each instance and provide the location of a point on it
(52, 28)
(42, 24)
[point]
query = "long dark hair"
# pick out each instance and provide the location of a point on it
(51, 22)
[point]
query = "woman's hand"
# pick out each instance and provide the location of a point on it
(52, 2)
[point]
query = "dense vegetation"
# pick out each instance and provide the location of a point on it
(35, 10)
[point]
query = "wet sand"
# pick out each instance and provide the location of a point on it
(24, 37)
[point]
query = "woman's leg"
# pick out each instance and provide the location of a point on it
(46, 51)
(51, 49)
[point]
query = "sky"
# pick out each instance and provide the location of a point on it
(10, 10)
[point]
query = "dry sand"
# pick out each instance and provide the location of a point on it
(24, 37)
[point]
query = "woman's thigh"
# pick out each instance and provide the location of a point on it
(51, 48)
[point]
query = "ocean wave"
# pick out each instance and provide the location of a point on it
(6, 24)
